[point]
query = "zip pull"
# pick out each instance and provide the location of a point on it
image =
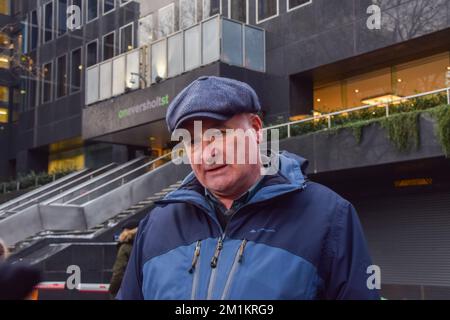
(241, 250)
(195, 257)
(216, 253)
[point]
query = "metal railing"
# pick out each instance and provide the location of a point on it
(87, 186)
(388, 106)
(40, 190)
(53, 190)
(119, 181)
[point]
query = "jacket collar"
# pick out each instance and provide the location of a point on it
(289, 178)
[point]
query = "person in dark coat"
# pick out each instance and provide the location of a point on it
(125, 246)
(17, 281)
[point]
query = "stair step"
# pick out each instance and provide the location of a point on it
(138, 206)
(146, 202)
(160, 193)
(154, 198)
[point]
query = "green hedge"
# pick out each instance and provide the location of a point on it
(31, 180)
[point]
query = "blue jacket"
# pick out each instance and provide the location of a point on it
(294, 239)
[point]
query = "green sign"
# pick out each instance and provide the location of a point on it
(147, 105)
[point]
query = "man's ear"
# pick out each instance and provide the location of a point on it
(257, 125)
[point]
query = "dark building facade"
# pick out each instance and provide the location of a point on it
(107, 70)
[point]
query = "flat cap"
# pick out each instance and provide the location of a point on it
(212, 97)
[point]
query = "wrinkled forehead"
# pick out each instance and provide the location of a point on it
(239, 121)
(206, 123)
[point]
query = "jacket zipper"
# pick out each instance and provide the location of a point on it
(237, 261)
(195, 270)
(214, 264)
(215, 259)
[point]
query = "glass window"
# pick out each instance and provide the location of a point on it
(47, 82)
(188, 13)
(145, 30)
(62, 17)
(92, 10)
(422, 75)
(211, 8)
(211, 40)
(108, 6)
(4, 101)
(92, 85)
(254, 49)
(192, 48)
(166, 20)
(232, 43)
(4, 7)
(132, 70)
(4, 62)
(293, 4)
(237, 10)
(48, 22)
(328, 98)
(175, 52)
(61, 77)
(34, 30)
(23, 38)
(105, 80)
(92, 54)
(75, 70)
(119, 68)
(3, 115)
(126, 38)
(4, 95)
(159, 63)
(108, 46)
(368, 86)
(266, 9)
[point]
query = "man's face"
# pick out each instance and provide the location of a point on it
(227, 160)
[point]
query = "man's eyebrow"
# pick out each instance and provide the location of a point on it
(222, 125)
(219, 125)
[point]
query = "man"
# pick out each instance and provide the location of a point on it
(230, 232)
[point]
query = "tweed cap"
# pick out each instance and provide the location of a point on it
(212, 97)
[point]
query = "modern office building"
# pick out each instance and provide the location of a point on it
(102, 76)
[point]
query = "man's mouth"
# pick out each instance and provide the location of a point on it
(215, 168)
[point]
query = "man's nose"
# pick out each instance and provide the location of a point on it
(209, 154)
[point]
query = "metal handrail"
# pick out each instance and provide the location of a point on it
(332, 114)
(120, 178)
(86, 174)
(40, 189)
(89, 183)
